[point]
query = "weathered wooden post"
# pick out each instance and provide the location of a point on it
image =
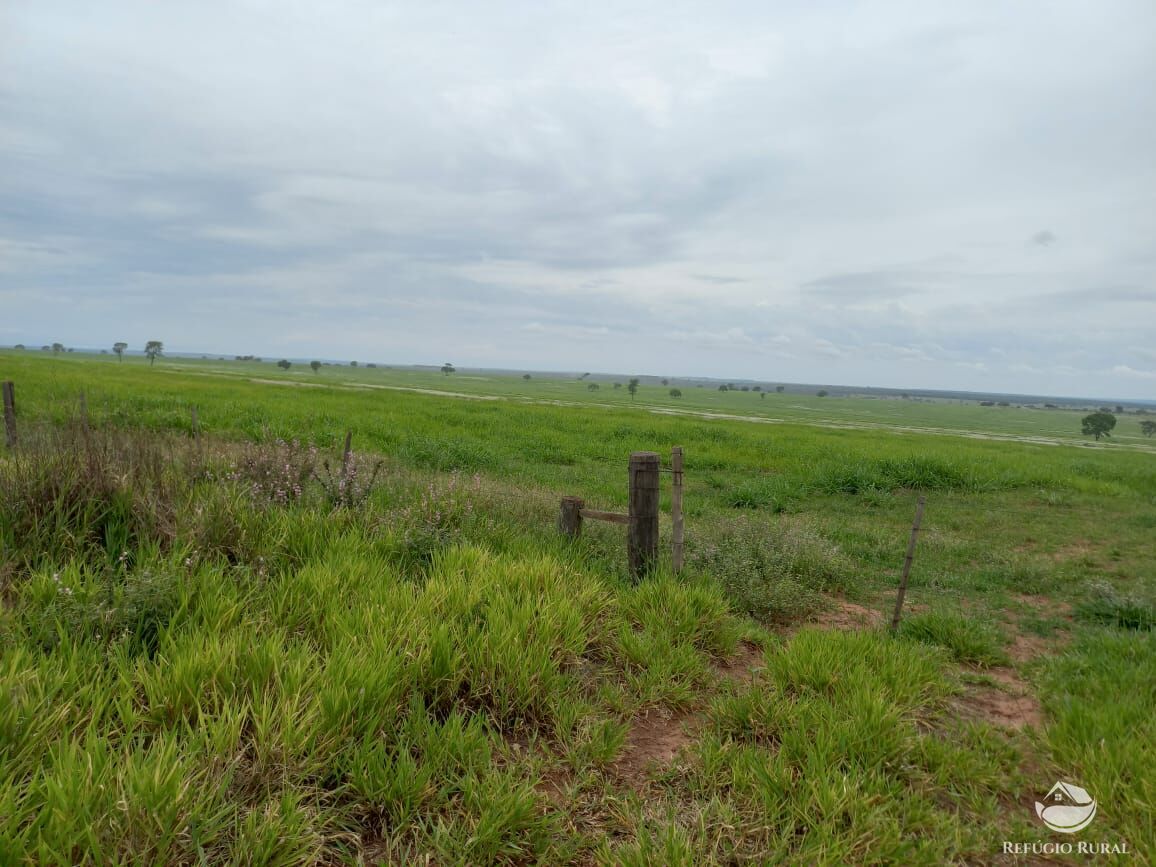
(9, 390)
(570, 517)
(907, 565)
(346, 455)
(642, 536)
(676, 508)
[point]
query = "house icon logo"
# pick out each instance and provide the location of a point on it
(1067, 808)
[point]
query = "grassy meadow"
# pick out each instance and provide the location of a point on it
(230, 649)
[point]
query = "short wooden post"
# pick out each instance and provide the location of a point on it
(570, 517)
(676, 507)
(642, 536)
(194, 424)
(907, 565)
(9, 389)
(347, 454)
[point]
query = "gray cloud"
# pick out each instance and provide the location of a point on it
(739, 190)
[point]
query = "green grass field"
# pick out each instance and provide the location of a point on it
(226, 650)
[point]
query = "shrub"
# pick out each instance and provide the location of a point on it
(773, 573)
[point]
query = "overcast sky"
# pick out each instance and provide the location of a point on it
(957, 195)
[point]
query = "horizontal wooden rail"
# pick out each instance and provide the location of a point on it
(612, 517)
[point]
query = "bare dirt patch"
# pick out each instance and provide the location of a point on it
(1025, 648)
(847, 616)
(1010, 704)
(1078, 550)
(744, 665)
(655, 740)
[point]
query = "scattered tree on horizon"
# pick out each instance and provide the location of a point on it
(526, 377)
(779, 389)
(618, 385)
(665, 381)
(447, 369)
(724, 387)
(822, 392)
(353, 364)
(284, 364)
(583, 376)
(632, 387)
(18, 346)
(676, 392)
(1148, 427)
(1098, 424)
(762, 394)
(315, 366)
(152, 349)
(57, 348)
(757, 388)
(592, 387)
(119, 347)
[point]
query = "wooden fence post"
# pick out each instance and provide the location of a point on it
(9, 389)
(907, 565)
(346, 454)
(195, 424)
(570, 517)
(642, 536)
(676, 507)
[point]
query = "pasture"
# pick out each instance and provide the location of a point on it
(227, 649)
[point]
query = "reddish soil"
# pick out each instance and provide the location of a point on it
(848, 615)
(656, 739)
(1011, 704)
(743, 667)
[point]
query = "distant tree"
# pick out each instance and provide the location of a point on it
(780, 388)
(632, 387)
(284, 364)
(1098, 424)
(152, 349)
(730, 386)
(447, 369)
(676, 392)
(583, 376)
(104, 352)
(592, 387)
(18, 346)
(70, 349)
(45, 348)
(757, 388)
(1148, 427)
(665, 381)
(822, 392)
(987, 403)
(315, 366)
(905, 396)
(353, 364)
(119, 348)
(57, 348)
(1105, 409)
(618, 385)
(372, 366)
(1003, 403)
(763, 395)
(526, 377)
(746, 388)
(1119, 409)
(724, 387)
